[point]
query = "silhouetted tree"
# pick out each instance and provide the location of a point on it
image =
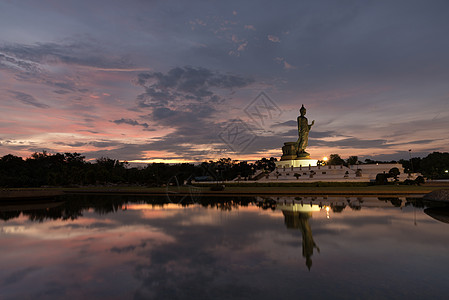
(266, 164)
(394, 172)
(335, 159)
(435, 165)
(352, 160)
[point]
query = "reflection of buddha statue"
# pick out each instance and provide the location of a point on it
(300, 220)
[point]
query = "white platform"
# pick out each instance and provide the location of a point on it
(296, 163)
(333, 173)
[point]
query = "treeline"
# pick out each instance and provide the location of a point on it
(71, 169)
(433, 166)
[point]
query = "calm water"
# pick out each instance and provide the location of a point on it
(130, 247)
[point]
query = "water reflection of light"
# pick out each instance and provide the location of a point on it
(12, 229)
(304, 208)
(299, 207)
(167, 206)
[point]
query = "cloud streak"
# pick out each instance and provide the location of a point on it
(130, 122)
(27, 99)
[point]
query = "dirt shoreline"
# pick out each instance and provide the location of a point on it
(389, 190)
(250, 191)
(29, 194)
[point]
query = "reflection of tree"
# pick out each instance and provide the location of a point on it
(7, 215)
(64, 208)
(71, 207)
(415, 202)
(394, 200)
(267, 203)
(338, 207)
(438, 213)
(300, 220)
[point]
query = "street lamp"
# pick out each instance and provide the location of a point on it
(411, 163)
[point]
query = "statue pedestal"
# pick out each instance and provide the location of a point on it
(296, 163)
(292, 159)
(289, 151)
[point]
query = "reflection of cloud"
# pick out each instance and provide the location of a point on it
(128, 248)
(17, 276)
(204, 253)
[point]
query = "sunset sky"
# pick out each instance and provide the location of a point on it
(177, 81)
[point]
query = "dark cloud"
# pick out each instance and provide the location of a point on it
(61, 92)
(321, 134)
(188, 100)
(294, 132)
(419, 142)
(291, 133)
(73, 144)
(27, 99)
(18, 146)
(290, 123)
(130, 122)
(186, 84)
(12, 63)
(105, 144)
(90, 131)
(97, 144)
(352, 143)
(398, 155)
(67, 85)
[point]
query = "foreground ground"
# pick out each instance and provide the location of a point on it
(240, 190)
(267, 190)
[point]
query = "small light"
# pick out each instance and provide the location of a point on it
(325, 158)
(447, 171)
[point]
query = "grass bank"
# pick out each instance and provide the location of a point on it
(246, 189)
(265, 190)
